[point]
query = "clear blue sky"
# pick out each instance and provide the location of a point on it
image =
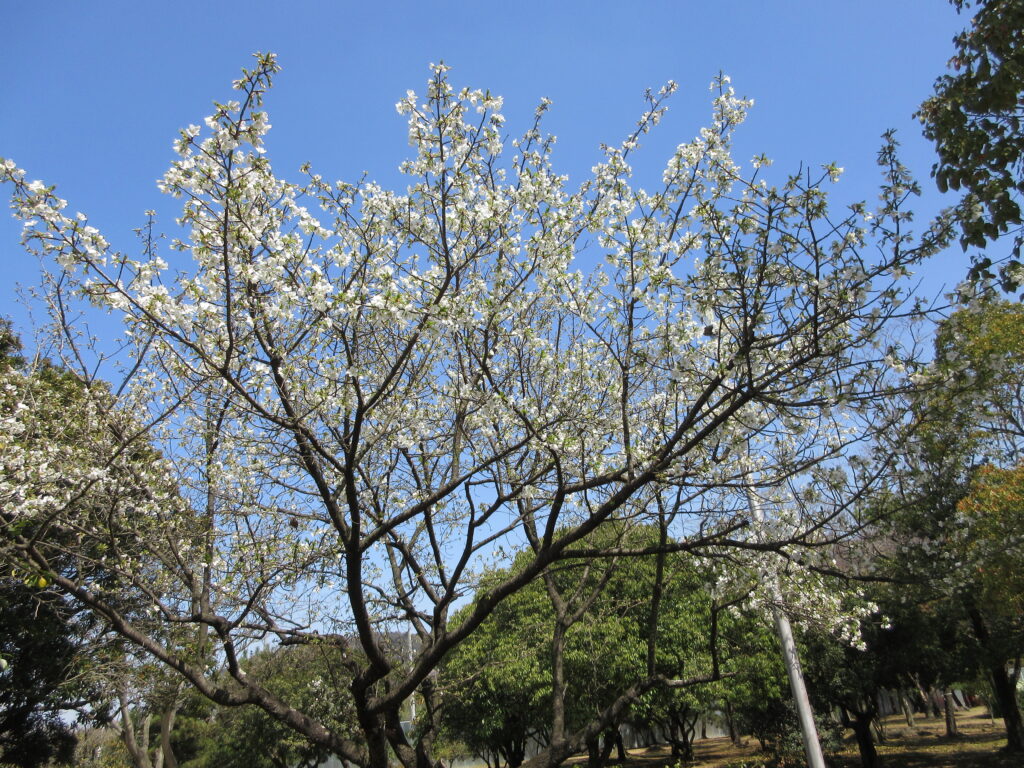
(93, 93)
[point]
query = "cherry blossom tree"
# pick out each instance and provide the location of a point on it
(361, 397)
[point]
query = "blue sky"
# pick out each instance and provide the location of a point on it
(93, 93)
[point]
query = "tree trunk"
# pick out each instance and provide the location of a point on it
(874, 709)
(558, 683)
(1002, 686)
(139, 753)
(376, 741)
(607, 746)
(594, 753)
(861, 725)
(908, 710)
(922, 696)
(516, 754)
(730, 724)
(689, 733)
(427, 729)
(950, 712)
(1007, 697)
(935, 699)
(620, 748)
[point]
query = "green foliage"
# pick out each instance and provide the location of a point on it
(954, 537)
(60, 430)
(992, 540)
(309, 677)
(778, 731)
(43, 643)
(975, 119)
(100, 748)
(977, 409)
(39, 644)
(497, 684)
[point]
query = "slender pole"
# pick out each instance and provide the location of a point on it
(412, 698)
(808, 731)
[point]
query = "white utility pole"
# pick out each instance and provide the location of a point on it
(808, 731)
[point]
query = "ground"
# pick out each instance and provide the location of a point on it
(923, 746)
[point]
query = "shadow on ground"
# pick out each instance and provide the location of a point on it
(979, 745)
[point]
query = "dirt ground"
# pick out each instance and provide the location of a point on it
(925, 745)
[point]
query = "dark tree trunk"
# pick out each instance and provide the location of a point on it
(730, 723)
(619, 746)
(378, 752)
(908, 710)
(935, 700)
(865, 744)
(688, 730)
(1002, 686)
(680, 735)
(594, 753)
(607, 746)
(860, 723)
(516, 754)
(922, 697)
(1006, 695)
(950, 713)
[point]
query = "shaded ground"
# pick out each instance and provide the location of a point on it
(923, 746)
(979, 744)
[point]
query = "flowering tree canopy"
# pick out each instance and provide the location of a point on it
(361, 396)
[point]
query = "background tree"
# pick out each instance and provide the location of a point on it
(974, 118)
(970, 417)
(42, 657)
(307, 676)
(66, 443)
(45, 660)
(358, 406)
(990, 541)
(496, 686)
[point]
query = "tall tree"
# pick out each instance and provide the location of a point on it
(357, 406)
(44, 662)
(961, 475)
(989, 540)
(307, 676)
(501, 687)
(39, 646)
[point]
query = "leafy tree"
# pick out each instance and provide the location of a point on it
(970, 417)
(40, 651)
(496, 686)
(992, 538)
(358, 395)
(990, 542)
(975, 120)
(700, 629)
(977, 401)
(901, 641)
(309, 677)
(67, 443)
(43, 657)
